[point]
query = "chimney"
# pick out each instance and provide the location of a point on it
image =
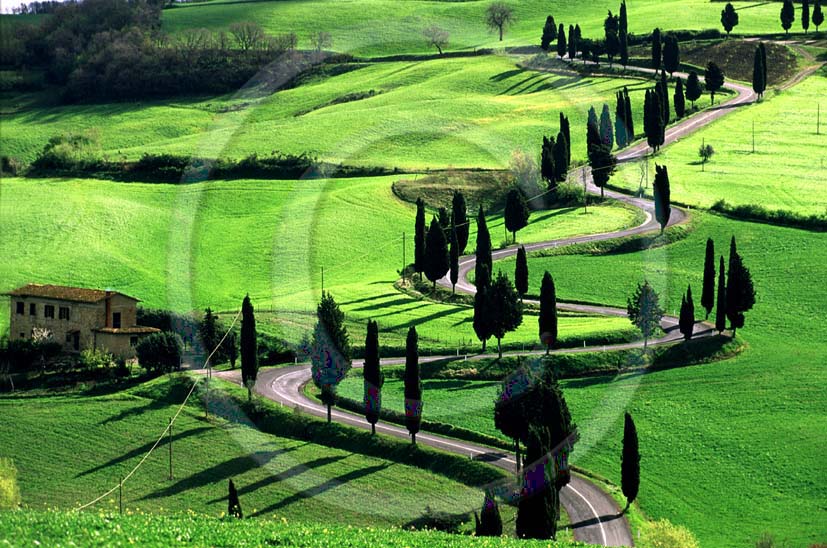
(108, 309)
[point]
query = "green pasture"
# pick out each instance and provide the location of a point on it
(383, 27)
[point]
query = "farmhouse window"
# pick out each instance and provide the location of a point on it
(20, 307)
(32, 309)
(116, 320)
(49, 311)
(63, 313)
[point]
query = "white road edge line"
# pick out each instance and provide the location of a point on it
(599, 521)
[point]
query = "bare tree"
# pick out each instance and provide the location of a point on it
(321, 40)
(437, 37)
(248, 35)
(498, 16)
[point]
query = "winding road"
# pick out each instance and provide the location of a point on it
(594, 515)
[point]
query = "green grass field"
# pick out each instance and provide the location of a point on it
(446, 113)
(785, 172)
(395, 27)
(71, 448)
(193, 246)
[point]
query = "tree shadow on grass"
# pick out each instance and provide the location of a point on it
(151, 405)
(425, 319)
(373, 297)
(332, 483)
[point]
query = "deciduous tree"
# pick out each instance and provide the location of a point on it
(729, 18)
(644, 311)
(516, 212)
(498, 16)
(437, 37)
(714, 79)
(505, 309)
(693, 87)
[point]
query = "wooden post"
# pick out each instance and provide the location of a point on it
(120, 497)
(170, 449)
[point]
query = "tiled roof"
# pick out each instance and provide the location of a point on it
(64, 293)
(134, 330)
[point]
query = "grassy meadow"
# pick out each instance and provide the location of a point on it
(785, 172)
(186, 247)
(396, 27)
(446, 113)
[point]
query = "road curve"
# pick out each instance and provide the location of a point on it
(595, 517)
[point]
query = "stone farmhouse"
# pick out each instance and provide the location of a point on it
(76, 317)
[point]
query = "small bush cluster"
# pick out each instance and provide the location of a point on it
(759, 213)
(159, 352)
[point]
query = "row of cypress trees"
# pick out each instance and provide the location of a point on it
(437, 250)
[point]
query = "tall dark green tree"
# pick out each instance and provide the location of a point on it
(653, 123)
(623, 48)
(606, 129)
(805, 15)
(565, 129)
(644, 311)
(483, 326)
(521, 273)
(620, 120)
(509, 415)
(549, 33)
(657, 51)
(686, 319)
(630, 462)
(763, 49)
(713, 79)
(593, 137)
(787, 15)
(516, 212)
(740, 292)
(208, 333)
(629, 119)
(611, 45)
(548, 312)
(671, 54)
(413, 385)
(708, 294)
(561, 41)
(489, 524)
(483, 249)
(419, 238)
(662, 89)
(693, 87)
(603, 164)
(818, 14)
(729, 18)
(454, 257)
(623, 19)
(759, 85)
(230, 348)
(373, 376)
(662, 196)
(505, 309)
(444, 221)
(459, 218)
(331, 352)
(561, 154)
(538, 509)
(679, 99)
(572, 45)
(233, 504)
(548, 170)
(437, 262)
(249, 346)
(720, 305)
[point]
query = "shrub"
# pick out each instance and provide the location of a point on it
(273, 351)
(184, 325)
(9, 490)
(25, 354)
(72, 152)
(438, 521)
(664, 534)
(10, 166)
(159, 352)
(759, 213)
(95, 359)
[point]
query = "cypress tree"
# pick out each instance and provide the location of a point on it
(561, 154)
(653, 124)
(818, 15)
(230, 347)
(548, 312)
(729, 18)
(740, 293)
(516, 212)
(509, 416)
(708, 294)
(413, 385)
(758, 82)
(483, 250)
(444, 220)
(686, 320)
(603, 164)
(623, 22)
(208, 333)
(373, 376)
(521, 273)
(572, 45)
(611, 45)
(623, 46)
(233, 504)
(459, 218)
(561, 41)
(565, 129)
(764, 62)
(593, 137)
(630, 462)
(620, 122)
(661, 195)
(437, 261)
(680, 103)
(489, 524)
(720, 306)
(805, 15)
(454, 252)
(606, 130)
(629, 118)
(547, 168)
(505, 309)
(482, 317)
(671, 54)
(693, 88)
(419, 238)
(663, 95)
(714, 79)
(657, 50)
(249, 346)
(538, 509)
(330, 359)
(549, 33)
(787, 16)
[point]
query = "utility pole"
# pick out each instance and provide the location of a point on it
(404, 262)
(120, 497)
(170, 449)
